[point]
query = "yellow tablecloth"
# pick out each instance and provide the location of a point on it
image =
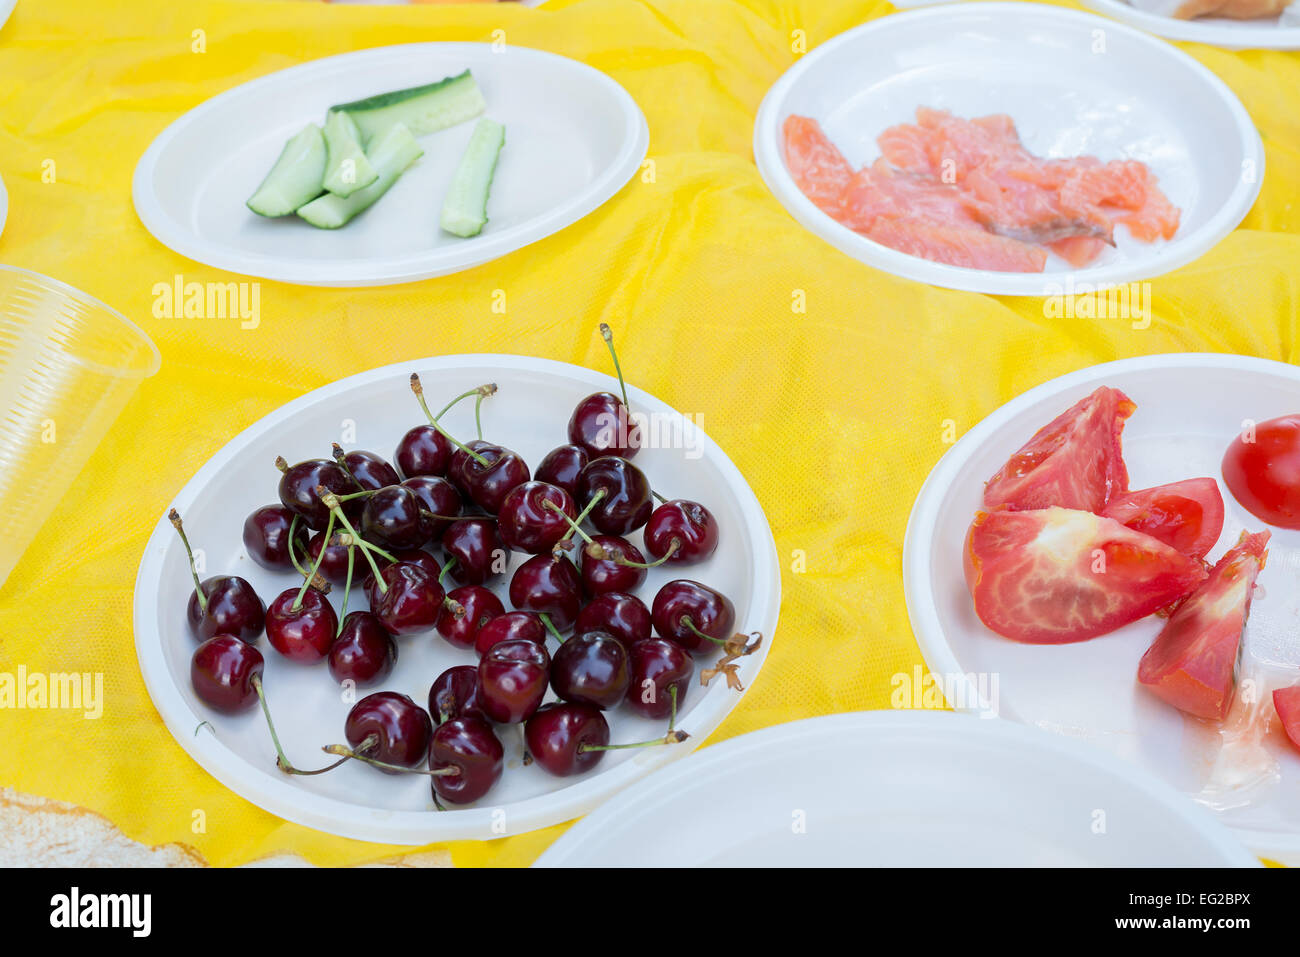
(835, 414)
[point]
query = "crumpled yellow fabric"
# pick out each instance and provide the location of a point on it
(835, 413)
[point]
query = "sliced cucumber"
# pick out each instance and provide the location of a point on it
(464, 211)
(346, 167)
(391, 153)
(296, 177)
(424, 109)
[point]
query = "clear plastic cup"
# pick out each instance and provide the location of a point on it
(68, 364)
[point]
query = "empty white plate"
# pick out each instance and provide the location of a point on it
(1189, 408)
(897, 789)
(1075, 84)
(574, 137)
(1273, 33)
(372, 411)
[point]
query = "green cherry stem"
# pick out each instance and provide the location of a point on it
(331, 502)
(672, 737)
(348, 754)
(293, 551)
(281, 761)
(608, 335)
(673, 547)
(175, 518)
(339, 457)
(482, 392)
(662, 500)
(329, 527)
(550, 626)
(418, 389)
(347, 590)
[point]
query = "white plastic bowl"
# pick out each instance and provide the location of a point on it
(1074, 84)
(1266, 34)
(529, 415)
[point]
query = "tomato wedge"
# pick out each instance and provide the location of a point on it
(1192, 663)
(1184, 515)
(1056, 575)
(1287, 703)
(1262, 469)
(1075, 461)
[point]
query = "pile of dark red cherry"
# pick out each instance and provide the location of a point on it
(355, 519)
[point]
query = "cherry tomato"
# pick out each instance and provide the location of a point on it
(1262, 470)
(1185, 515)
(1056, 575)
(1192, 663)
(1075, 461)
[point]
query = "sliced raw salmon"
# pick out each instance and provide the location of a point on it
(972, 248)
(819, 169)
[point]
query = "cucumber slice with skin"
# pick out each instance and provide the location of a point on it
(423, 109)
(464, 210)
(296, 177)
(390, 154)
(346, 167)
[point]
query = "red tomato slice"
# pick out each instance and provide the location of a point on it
(1287, 703)
(1184, 515)
(1262, 469)
(1075, 461)
(1056, 575)
(1192, 663)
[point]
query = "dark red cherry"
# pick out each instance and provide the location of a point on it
(303, 633)
(623, 616)
(479, 552)
(454, 694)
(601, 425)
(487, 485)
(655, 666)
(512, 680)
(423, 450)
(474, 607)
(688, 523)
(364, 652)
(626, 504)
(370, 470)
(415, 556)
(562, 466)
(471, 746)
(549, 586)
(601, 572)
(334, 566)
(683, 607)
(590, 669)
(512, 626)
(558, 735)
(411, 602)
(393, 518)
(233, 608)
(437, 497)
(222, 671)
(266, 537)
(298, 489)
(389, 727)
(527, 520)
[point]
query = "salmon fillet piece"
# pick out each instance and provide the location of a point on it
(972, 248)
(819, 169)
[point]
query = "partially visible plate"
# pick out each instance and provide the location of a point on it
(1189, 408)
(1135, 97)
(4, 205)
(1268, 34)
(6, 9)
(574, 137)
(898, 789)
(527, 414)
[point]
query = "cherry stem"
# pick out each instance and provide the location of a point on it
(672, 715)
(364, 493)
(550, 626)
(293, 552)
(350, 755)
(482, 392)
(332, 503)
(573, 524)
(662, 500)
(433, 421)
(281, 761)
(348, 540)
(607, 334)
(672, 737)
(347, 590)
(329, 527)
(454, 518)
(673, 547)
(339, 458)
(442, 575)
(175, 518)
(689, 625)
(281, 464)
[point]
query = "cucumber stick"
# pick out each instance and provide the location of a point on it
(296, 177)
(423, 109)
(346, 167)
(464, 210)
(391, 153)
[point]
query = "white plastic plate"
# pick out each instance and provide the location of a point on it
(902, 789)
(1074, 84)
(574, 137)
(528, 414)
(1189, 408)
(1265, 34)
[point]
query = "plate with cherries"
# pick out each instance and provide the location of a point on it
(459, 597)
